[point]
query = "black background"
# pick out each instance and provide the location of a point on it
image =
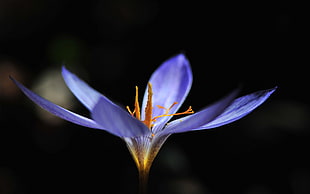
(116, 45)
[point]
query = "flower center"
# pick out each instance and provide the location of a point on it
(149, 119)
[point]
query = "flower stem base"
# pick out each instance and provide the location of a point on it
(143, 180)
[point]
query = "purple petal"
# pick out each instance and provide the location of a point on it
(57, 110)
(87, 95)
(234, 110)
(171, 83)
(117, 121)
(200, 118)
(240, 108)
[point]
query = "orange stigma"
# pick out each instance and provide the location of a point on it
(149, 119)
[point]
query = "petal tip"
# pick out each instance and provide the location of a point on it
(179, 59)
(274, 89)
(64, 70)
(15, 82)
(268, 92)
(181, 56)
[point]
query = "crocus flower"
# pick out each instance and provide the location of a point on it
(146, 128)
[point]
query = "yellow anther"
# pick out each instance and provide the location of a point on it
(137, 106)
(161, 107)
(172, 105)
(149, 107)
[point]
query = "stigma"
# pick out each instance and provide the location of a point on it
(149, 119)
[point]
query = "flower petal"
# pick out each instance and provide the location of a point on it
(202, 117)
(240, 108)
(171, 83)
(117, 121)
(234, 110)
(57, 110)
(87, 95)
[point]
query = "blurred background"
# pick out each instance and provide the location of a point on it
(116, 45)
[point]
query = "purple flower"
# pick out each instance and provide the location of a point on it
(145, 128)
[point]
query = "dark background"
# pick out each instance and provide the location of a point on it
(116, 45)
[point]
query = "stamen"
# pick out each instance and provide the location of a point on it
(172, 106)
(161, 107)
(128, 109)
(136, 111)
(149, 107)
(188, 111)
(137, 106)
(167, 110)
